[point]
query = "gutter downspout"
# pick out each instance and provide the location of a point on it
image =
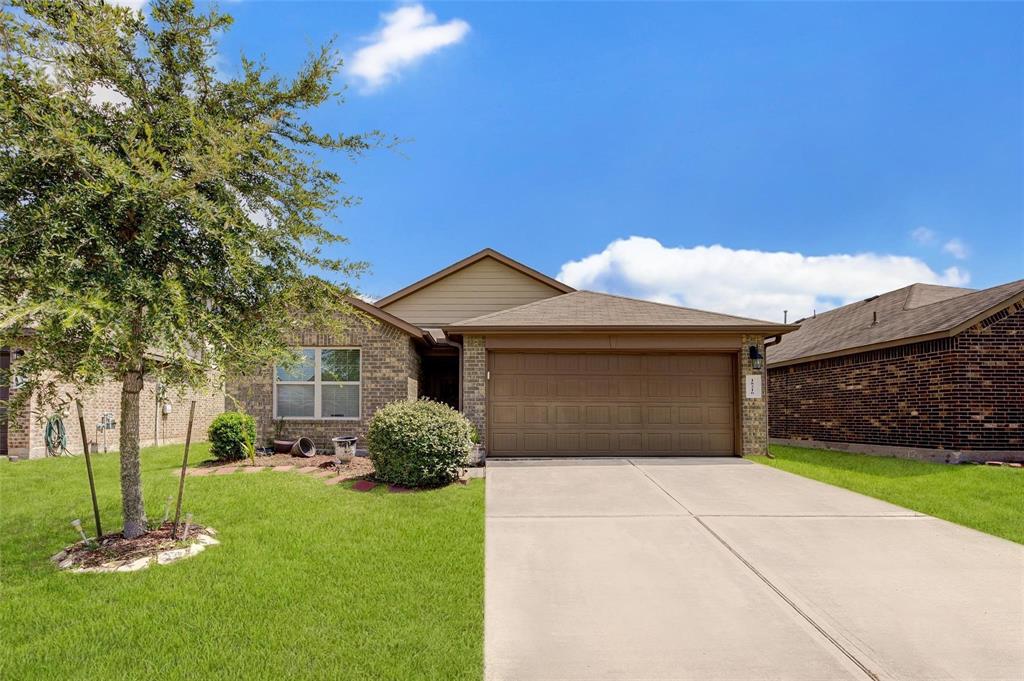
(768, 342)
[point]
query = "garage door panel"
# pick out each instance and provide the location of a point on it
(719, 416)
(610, 403)
(718, 388)
(691, 416)
(720, 365)
(505, 415)
(568, 414)
(535, 415)
(631, 442)
(597, 442)
(718, 443)
(566, 442)
(691, 442)
(630, 415)
(568, 386)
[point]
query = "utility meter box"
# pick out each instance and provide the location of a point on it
(166, 408)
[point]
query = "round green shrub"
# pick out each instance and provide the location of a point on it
(230, 435)
(419, 444)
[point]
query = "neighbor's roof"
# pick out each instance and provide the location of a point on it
(907, 315)
(589, 311)
(466, 262)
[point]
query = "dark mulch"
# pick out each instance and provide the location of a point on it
(114, 547)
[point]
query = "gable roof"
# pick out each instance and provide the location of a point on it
(907, 315)
(384, 316)
(466, 262)
(590, 311)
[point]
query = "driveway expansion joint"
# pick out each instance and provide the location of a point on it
(750, 566)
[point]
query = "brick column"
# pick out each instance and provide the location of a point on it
(753, 411)
(474, 384)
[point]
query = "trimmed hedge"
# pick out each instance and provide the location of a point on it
(230, 433)
(419, 444)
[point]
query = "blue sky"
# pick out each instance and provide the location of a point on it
(832, 151)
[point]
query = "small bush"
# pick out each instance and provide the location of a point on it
(419, 444)
(231, 435)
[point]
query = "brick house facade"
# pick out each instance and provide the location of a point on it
(390, 372)
(953, 398)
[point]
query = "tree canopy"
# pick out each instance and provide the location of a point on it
(151, 206)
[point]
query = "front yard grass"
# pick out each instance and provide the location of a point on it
(987, 498)
(310, 581)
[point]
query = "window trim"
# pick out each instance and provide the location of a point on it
(317, 384)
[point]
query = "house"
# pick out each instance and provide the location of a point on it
(539, 368)
(924, 371)
(163, 417)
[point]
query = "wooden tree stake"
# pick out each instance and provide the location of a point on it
(184, 469)
(88, 467)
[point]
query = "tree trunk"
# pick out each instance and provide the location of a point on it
(132, 508)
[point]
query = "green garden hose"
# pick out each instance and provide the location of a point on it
(56, 437)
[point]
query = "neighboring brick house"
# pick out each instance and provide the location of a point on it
(925, 371)
(539, 368)
(163, 417)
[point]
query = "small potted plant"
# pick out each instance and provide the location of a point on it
(476, 454)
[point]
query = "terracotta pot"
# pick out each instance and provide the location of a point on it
(283, 446)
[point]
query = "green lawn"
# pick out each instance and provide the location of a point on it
(310, 582)
(987, 498)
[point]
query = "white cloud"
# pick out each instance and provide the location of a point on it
(104, 94)
(132, 4)
(410, 33)
(759, 284)
(956, 248)
(923, 235)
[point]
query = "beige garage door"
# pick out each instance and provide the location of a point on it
(611, 404)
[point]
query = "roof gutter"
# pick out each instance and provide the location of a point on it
(775, 330)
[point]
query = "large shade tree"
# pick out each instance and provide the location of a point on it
(157, 217)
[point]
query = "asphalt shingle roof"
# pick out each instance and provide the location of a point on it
(585, 309)
(904, 314)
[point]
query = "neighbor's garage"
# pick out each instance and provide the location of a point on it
(563, 403)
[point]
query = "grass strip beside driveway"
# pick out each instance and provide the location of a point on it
(310, 582)
(986, 498)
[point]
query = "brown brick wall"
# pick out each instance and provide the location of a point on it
(753, 437)
(390, 372)
(26, 431)
(474, 384)
(963, 393)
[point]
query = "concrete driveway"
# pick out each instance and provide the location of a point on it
(712, 569)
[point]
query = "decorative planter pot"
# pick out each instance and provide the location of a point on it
(344, 448)
(476, 456)
(283, 446)
(304, 447)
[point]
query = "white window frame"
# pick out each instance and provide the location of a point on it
(317, 385)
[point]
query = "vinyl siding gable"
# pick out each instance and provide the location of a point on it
(481, 288)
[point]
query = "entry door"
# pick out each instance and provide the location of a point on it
(586, 404)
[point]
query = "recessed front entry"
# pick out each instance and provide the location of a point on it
(565, 404)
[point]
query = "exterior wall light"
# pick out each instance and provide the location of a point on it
(756, 359)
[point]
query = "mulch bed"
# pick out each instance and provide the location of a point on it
(358, 467)
(114, 547)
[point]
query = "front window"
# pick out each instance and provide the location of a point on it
(324, 386)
